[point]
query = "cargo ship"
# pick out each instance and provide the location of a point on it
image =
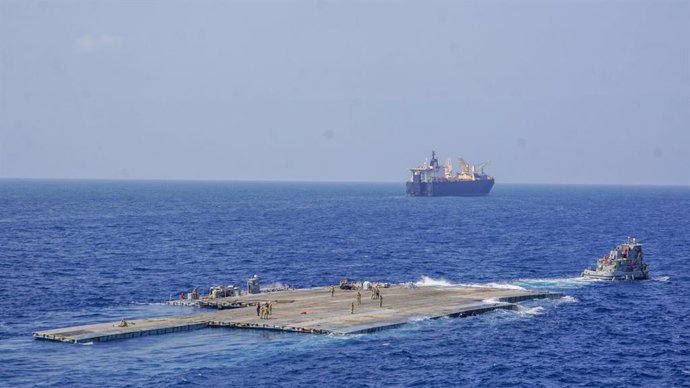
(433, 180)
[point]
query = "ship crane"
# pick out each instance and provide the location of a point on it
(448, 169)
(463, 166)
(480, 167)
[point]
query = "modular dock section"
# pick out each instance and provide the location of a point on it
(315, 311)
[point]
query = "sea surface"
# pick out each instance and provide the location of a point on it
(77, 252)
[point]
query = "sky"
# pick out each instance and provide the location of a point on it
(550, 91)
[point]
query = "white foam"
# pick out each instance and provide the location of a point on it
(494, 302)
(427, 281)
(341, 337)
(661, 278)
(522, 310)
(568, 299)
(569, 282)
(505, 286)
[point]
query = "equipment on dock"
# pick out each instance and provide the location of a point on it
(224, 291)
(433, 180)
(253, 285)
(624, 262)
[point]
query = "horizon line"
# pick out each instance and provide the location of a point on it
(220, 180)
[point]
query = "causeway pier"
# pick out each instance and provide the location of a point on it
(315, 311)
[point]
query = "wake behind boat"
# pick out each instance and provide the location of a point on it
(624, 262)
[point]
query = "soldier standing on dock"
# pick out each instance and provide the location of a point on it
(380, 300)
(352, 310)
(258, 309)
(359, 297)
(270, 308)
(332, 290)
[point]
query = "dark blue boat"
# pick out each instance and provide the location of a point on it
(433, 180)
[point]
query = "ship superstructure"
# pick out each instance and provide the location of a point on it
(430, 179)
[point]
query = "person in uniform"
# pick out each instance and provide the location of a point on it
(359, 297)
(380, 301)
(332, 290)
(352, 309)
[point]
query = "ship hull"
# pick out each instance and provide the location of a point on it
(450, 189)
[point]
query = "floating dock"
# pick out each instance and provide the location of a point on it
(315, 311)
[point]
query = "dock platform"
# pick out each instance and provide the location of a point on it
(315, 311)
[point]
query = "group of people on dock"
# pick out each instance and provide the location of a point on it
(264, 310)
(375, 292)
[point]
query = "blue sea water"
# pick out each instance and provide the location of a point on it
(76, 252)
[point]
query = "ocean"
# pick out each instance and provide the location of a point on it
(77, 252)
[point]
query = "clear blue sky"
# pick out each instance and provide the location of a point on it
(550, 91)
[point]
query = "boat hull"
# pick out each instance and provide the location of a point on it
(615, 275)
(450, 188)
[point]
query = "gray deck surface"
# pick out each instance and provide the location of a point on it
(316, 311)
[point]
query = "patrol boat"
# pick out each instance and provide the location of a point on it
(624, 262)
